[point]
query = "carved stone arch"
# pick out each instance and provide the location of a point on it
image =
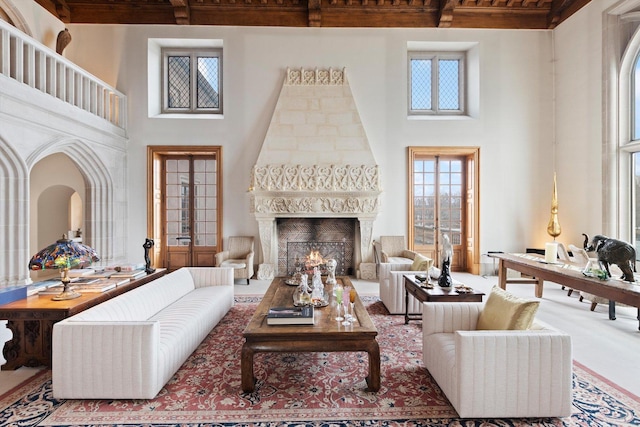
(15, 17)
(99, 191)
(14, 217)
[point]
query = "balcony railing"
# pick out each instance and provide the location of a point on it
(30, 62)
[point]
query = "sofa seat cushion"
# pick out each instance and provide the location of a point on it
(234, 263)
(186, 322)
(505, 311)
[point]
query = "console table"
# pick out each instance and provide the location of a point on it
(566, 275)
(31, 320)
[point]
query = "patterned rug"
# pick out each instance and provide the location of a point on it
(301, 389)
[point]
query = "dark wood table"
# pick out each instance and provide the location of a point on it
(566, 275)
(327, 334)
(31, 320)
(422, 293)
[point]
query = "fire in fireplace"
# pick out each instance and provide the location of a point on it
(307, 255)
(301, 238)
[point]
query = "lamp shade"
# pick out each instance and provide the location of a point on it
(65, 253)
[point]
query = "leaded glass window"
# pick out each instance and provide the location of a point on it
(436, 83)
(192, 81)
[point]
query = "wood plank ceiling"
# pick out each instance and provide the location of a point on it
(511, 14)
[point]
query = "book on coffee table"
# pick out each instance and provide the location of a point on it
(290, 315)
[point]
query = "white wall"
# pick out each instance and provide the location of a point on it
(513, 128)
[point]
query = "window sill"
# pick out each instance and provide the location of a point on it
(188, 116)
(440, 117)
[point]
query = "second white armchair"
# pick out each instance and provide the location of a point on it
(239, 256)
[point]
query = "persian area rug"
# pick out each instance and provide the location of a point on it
(309, 389)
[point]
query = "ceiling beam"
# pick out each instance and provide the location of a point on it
(445, 14)
(181, 11)
(315, 13)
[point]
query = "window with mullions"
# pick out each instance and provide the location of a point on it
(436, 83)
(192, 81)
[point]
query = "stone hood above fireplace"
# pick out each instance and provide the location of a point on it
(315, 161)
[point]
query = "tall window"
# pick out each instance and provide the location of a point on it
(192, 81)
(635, 155)
(436, 83)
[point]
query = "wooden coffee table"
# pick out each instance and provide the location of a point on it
(436, 294)
(326, 335)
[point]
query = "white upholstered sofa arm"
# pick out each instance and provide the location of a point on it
(97, 341)
(211, 276)
(440, 317)
(519, 372)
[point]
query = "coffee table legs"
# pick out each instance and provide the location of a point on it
(248, 380)
(373, 379)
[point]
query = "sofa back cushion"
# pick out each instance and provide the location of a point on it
(504, 311)
(144, 302)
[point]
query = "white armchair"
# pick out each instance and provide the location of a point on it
(497, 374)
(391, 282)
(239, 256)
(393, 249)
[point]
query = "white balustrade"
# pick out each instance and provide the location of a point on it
(28, 61)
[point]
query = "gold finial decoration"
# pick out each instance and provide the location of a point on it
(553, 229)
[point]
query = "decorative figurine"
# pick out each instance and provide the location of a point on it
(613, 251)
(331, 271)
(148, 244)
(445, 281)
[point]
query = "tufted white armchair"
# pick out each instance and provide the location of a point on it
(239, 256)
(496, 374)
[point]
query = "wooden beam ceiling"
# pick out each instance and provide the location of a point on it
(507, 14)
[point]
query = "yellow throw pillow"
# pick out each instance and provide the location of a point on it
(421, 263)
(504, 311)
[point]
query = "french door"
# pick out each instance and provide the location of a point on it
(187, 206)
(442, 203)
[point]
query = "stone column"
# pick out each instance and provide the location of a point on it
(269, 245)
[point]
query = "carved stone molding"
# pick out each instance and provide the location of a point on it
(316, 76)
(314, 206)
(315, 178)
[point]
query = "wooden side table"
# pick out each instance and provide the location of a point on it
(436, 294)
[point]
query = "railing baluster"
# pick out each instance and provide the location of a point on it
(5, 50)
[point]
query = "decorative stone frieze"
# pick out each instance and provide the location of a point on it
(315, 178)
(329, 205)
(316, 76)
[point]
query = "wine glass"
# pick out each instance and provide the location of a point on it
(339, 292)
(345, 303)
(352, 301)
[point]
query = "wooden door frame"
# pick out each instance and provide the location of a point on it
(154, 202)
(472, 155)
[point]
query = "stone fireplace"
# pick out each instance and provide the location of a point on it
(315, 163)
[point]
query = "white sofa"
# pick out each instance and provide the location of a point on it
(496, 374)
(129, 346)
